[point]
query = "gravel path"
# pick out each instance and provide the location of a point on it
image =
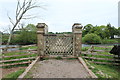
(58, 69)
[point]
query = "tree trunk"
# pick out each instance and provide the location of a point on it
(9, 39)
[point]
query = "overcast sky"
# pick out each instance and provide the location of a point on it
(60, 15)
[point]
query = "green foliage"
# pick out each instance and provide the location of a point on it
(100, 31)
(31, 27)
(26, 37)
(105, 32)
(14, 75)
(5, 38)
(16, 32)
(118, 33)
(63, 32)
(86, 29)
(91, 39)
(111, 30)
(109, 41)
(50, 33)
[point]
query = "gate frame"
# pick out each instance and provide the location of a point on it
(42, 29)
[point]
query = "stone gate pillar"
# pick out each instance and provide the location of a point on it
(77, 38)
(42, 29)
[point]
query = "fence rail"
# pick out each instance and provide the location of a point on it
(18, 46)
(104, 63)
(17, 55)
(94, 58)
(29, 50)
(25, 57)
(93, 53)
(11, 64)
(17, 59)
(100, 58)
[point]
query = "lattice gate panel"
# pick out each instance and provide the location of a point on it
(58, 44)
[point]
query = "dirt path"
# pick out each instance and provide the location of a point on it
(58, 69)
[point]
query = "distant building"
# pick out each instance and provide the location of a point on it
(116, 36)
(119, 14)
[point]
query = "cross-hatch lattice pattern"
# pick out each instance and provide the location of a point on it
(58, 44)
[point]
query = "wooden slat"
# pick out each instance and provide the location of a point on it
(101, 51)
(104, 63)
(33, 51)
(103, 46)
(17, 59)
(99, 54)
(28, 45)
(101, 58)
(28, 68)
(10, 47)
(19, 51)
(18, 46)
(14, 51)
(86, 67)
(16, 63)
(18, 55)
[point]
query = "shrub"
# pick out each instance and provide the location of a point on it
(5, 38)
(109, 41)
(91, 39)
(25, 37)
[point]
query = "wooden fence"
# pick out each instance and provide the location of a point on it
(10, 58)
(101, 56)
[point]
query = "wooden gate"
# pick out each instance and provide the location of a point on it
(59, 44)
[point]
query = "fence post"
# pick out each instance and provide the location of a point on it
(42, 29)
(77, 38)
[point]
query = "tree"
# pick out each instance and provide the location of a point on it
(26, 37)
(118, 31)
(91, 39)
(21, 9)
(99, 30)
(31, 27)
(111, 31)
(87, 28)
